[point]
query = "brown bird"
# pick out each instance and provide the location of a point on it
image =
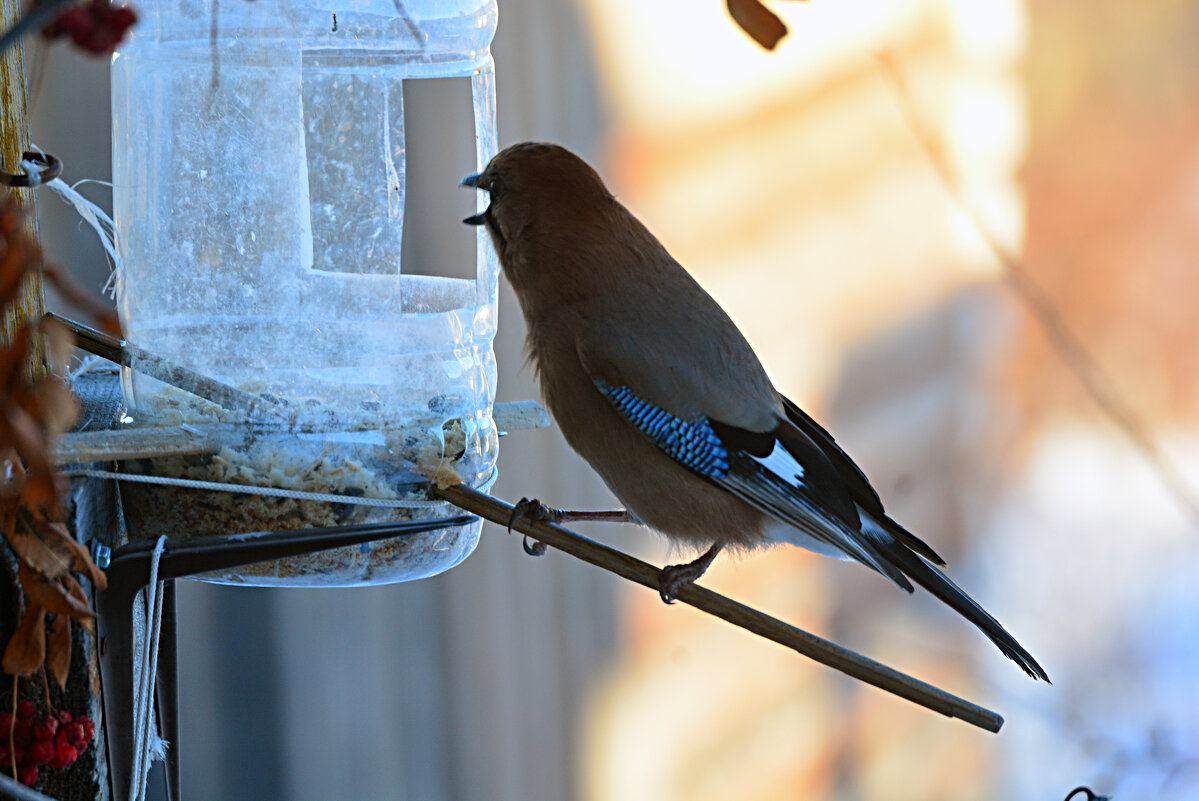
(654, 385)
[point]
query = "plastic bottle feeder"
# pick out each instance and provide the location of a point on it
(259, 192)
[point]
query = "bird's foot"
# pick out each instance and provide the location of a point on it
(674, 577)
(534, 511)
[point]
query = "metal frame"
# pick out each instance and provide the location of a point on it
(129, 572)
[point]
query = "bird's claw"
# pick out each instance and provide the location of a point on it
(533, 547)
(534, 511)
(673, 578)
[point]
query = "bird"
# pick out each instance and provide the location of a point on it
(655, 387)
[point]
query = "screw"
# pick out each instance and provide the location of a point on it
(101, 555)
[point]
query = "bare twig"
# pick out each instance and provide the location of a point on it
(1068, 345)
(811, 646)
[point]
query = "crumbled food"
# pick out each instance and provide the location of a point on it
(354, 460)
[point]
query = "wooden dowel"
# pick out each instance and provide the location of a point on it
(811, 646)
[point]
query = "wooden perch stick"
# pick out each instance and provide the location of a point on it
(811, 646)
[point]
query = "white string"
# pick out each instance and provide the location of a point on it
(92, 214)
(146, 742)
(322, 497)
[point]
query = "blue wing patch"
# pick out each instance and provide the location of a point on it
(692, 444)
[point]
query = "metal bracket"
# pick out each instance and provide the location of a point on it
(129, 571)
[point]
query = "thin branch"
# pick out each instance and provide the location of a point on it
(811, 646)
(1068, 345)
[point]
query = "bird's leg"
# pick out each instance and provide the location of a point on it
(535, 511)
(675, 577)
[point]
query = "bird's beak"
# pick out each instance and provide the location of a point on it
(472, 182)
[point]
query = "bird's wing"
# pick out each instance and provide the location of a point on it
(855, 481)
(781, 471)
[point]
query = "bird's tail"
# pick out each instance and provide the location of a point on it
(936, 582)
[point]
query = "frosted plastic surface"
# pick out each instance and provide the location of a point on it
(259, 197)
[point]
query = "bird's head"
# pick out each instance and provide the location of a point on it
(535, 188)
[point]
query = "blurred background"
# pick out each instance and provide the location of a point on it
(793, 186)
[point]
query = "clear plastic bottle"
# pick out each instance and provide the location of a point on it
(259, 193)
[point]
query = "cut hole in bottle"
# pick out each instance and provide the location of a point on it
(440, 127)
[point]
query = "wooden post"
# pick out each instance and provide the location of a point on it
(14, 132)
(14, 139)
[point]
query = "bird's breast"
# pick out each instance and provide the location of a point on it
(661, 493)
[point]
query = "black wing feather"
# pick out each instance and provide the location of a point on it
(854, 481)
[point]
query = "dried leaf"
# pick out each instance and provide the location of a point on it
(12, 359)
(83, 559)
(18, 253)
(57, 596)
(12, 479)
(57, 406)
(58, 650)
(759, 22)
(60, 344)
(43, 548)
(18, 429)
(82, 299)
(49, 548)
(27, 649)
(76, 592)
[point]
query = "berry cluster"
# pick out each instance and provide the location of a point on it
(97, 27)
(41, 740)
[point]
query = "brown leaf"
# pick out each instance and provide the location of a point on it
(44, 548)
(83, 559)
(57, 406)
(57, 596)
(18, 429)
(27, 648)
(12, 479)
(60, 344)
(80, 298)
(18, 253)
(49, 548)
(76, 592)
(12, 359)
(758, 21)
(58, 650)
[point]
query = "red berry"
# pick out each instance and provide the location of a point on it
(45, 727)
(123, 18)
(80, 746)
(74, 732)
(89, 728)
(18, 752)
(27, 775)
(63, 716)
(66, 753)
(23, 731)
(25, 710)
(5, 723)
(41, 752)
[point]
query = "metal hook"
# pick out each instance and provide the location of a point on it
(52, 168)
(1091, 794)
